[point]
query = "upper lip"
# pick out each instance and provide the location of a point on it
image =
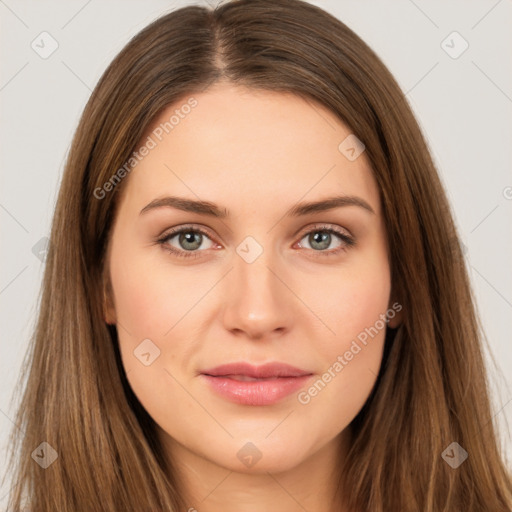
(257, 372)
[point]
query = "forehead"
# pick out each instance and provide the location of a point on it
(239, 146)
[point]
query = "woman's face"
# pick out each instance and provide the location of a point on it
(256, 278)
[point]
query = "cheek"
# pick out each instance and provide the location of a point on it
(149, 298)
(149, 302)
(355, 310)
(146, 309)
(361, 304)
(157, 309)
(358, 296)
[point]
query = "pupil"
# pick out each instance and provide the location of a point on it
(192, 238)
(321, 237)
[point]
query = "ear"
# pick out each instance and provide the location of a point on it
(395, 312)
(109, 310)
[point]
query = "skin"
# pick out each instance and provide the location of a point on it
(257, 154)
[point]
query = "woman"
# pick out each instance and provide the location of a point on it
(252, 298)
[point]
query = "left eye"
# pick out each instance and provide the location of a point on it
(321, 239)
(190, 240)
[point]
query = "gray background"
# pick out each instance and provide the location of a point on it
(463, 105)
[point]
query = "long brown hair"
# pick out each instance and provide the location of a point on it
(432, 389)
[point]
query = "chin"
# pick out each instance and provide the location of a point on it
(262, 456)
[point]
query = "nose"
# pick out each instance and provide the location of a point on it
(259, 303)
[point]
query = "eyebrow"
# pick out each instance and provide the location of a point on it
(213, 210)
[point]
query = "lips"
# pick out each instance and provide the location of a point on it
(269, 370)
(246, 384)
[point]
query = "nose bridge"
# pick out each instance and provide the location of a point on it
(258, 302)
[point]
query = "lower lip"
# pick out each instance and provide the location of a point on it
(256, 392)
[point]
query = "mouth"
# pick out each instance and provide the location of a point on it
(245, 384)
(246, 378)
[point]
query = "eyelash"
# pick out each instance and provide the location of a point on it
(348, 241)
